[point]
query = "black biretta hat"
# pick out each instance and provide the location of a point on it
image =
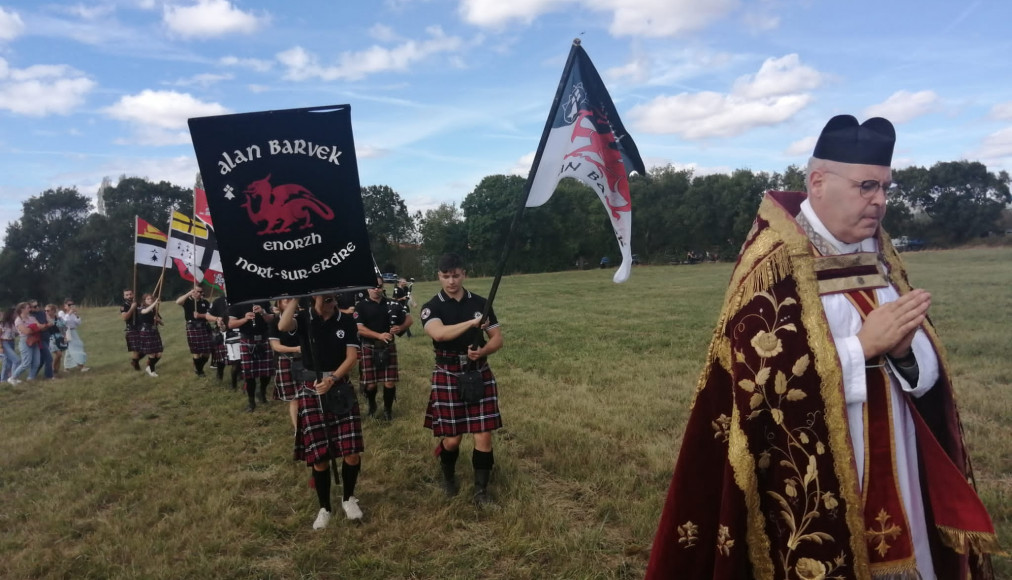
(843, 140)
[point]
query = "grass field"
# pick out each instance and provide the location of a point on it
(114, 474)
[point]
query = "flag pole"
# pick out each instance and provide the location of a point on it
(511, 234)
(165, 258)
(193, 241)
(134, 287)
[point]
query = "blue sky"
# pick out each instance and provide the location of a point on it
(445, 92)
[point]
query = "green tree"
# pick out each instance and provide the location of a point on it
(962, 199)
(35, 245)
(488, 213)
(387, 220)
(441, 230)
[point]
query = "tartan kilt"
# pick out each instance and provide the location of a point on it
(256, 358)
(198, 338)
(219, 355)
(368, 374)
(448, 416)
(149, 341)
(284, 382)
(321, 436)
(132, 340)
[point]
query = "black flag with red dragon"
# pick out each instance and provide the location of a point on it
(283, 190)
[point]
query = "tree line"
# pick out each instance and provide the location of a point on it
(61, 248)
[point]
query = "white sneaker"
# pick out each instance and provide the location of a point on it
(85, 369)
(13, 381)
(322, 519)
(150, 372)
(351, 508)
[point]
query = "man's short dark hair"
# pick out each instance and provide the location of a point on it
(450, 262)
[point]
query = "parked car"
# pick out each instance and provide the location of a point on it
(390, 278)
(907, 244)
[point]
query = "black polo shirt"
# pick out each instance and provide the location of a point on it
(131, 323)
(256, 327)
(374, 315)
(285, 338)
(331, 339)
(449, 311)
(346, 300)
(191, 307)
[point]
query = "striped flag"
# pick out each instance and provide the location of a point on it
(194, 244)
(149, 244)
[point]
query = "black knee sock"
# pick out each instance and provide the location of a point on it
(371, 395)
(196, 364)
(482, 459)
(221, 371)
(448, 457)
(152, 361)
(321, 481)
(389, 396)
(349, 475)
(263, 385)
(235, 376)
(251, 389)
(200, 362)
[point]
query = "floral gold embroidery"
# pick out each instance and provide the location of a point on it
(688, 534)
(801, 499)
(885, 532)
(724, 541)
(721, 427)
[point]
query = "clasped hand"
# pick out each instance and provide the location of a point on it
(890, 328)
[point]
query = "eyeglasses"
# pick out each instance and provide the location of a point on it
(868, 187)
(329, 300)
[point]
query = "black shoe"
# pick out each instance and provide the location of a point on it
(200, 374)
(261, 398)
(135, 363)
(450, 487)
(251, 407)
(481, 495)
(388, 415)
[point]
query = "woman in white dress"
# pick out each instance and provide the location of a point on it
(75, 357)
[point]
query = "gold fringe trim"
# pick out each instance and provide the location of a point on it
(978, 542)
(904, 575)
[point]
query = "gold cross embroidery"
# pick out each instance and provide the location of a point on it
(884, 532)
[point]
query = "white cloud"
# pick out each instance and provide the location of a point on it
(759, 22)
(771, 96)
(202, 80)
(1002, 111)
(159, 117)
(302, 65)
(42, 89)
(210, 18)
(383, 33)
(903, 106)
(801, 147)
(11, 25)
(255, 64)
(651, 18)
(995, 146)
(778, 76)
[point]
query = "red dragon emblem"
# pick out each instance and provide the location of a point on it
(280, 207)
(602, 143)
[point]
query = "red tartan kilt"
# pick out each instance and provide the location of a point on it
(448, 416)
(321, 436)
(149, 341)
(219, 356)
(367, 371)
(132, 340)
(284, 382)
(256, 359)
(199, 339)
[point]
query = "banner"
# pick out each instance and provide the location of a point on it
(282, 188)
(585, 139)
(200, 210)
(194, 244)
(149, 244)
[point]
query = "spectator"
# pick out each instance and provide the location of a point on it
(75, 356)
(45, 361)
(8, 332)
(56, 336)
(29, 331)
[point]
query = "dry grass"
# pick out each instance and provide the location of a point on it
(113, 474)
